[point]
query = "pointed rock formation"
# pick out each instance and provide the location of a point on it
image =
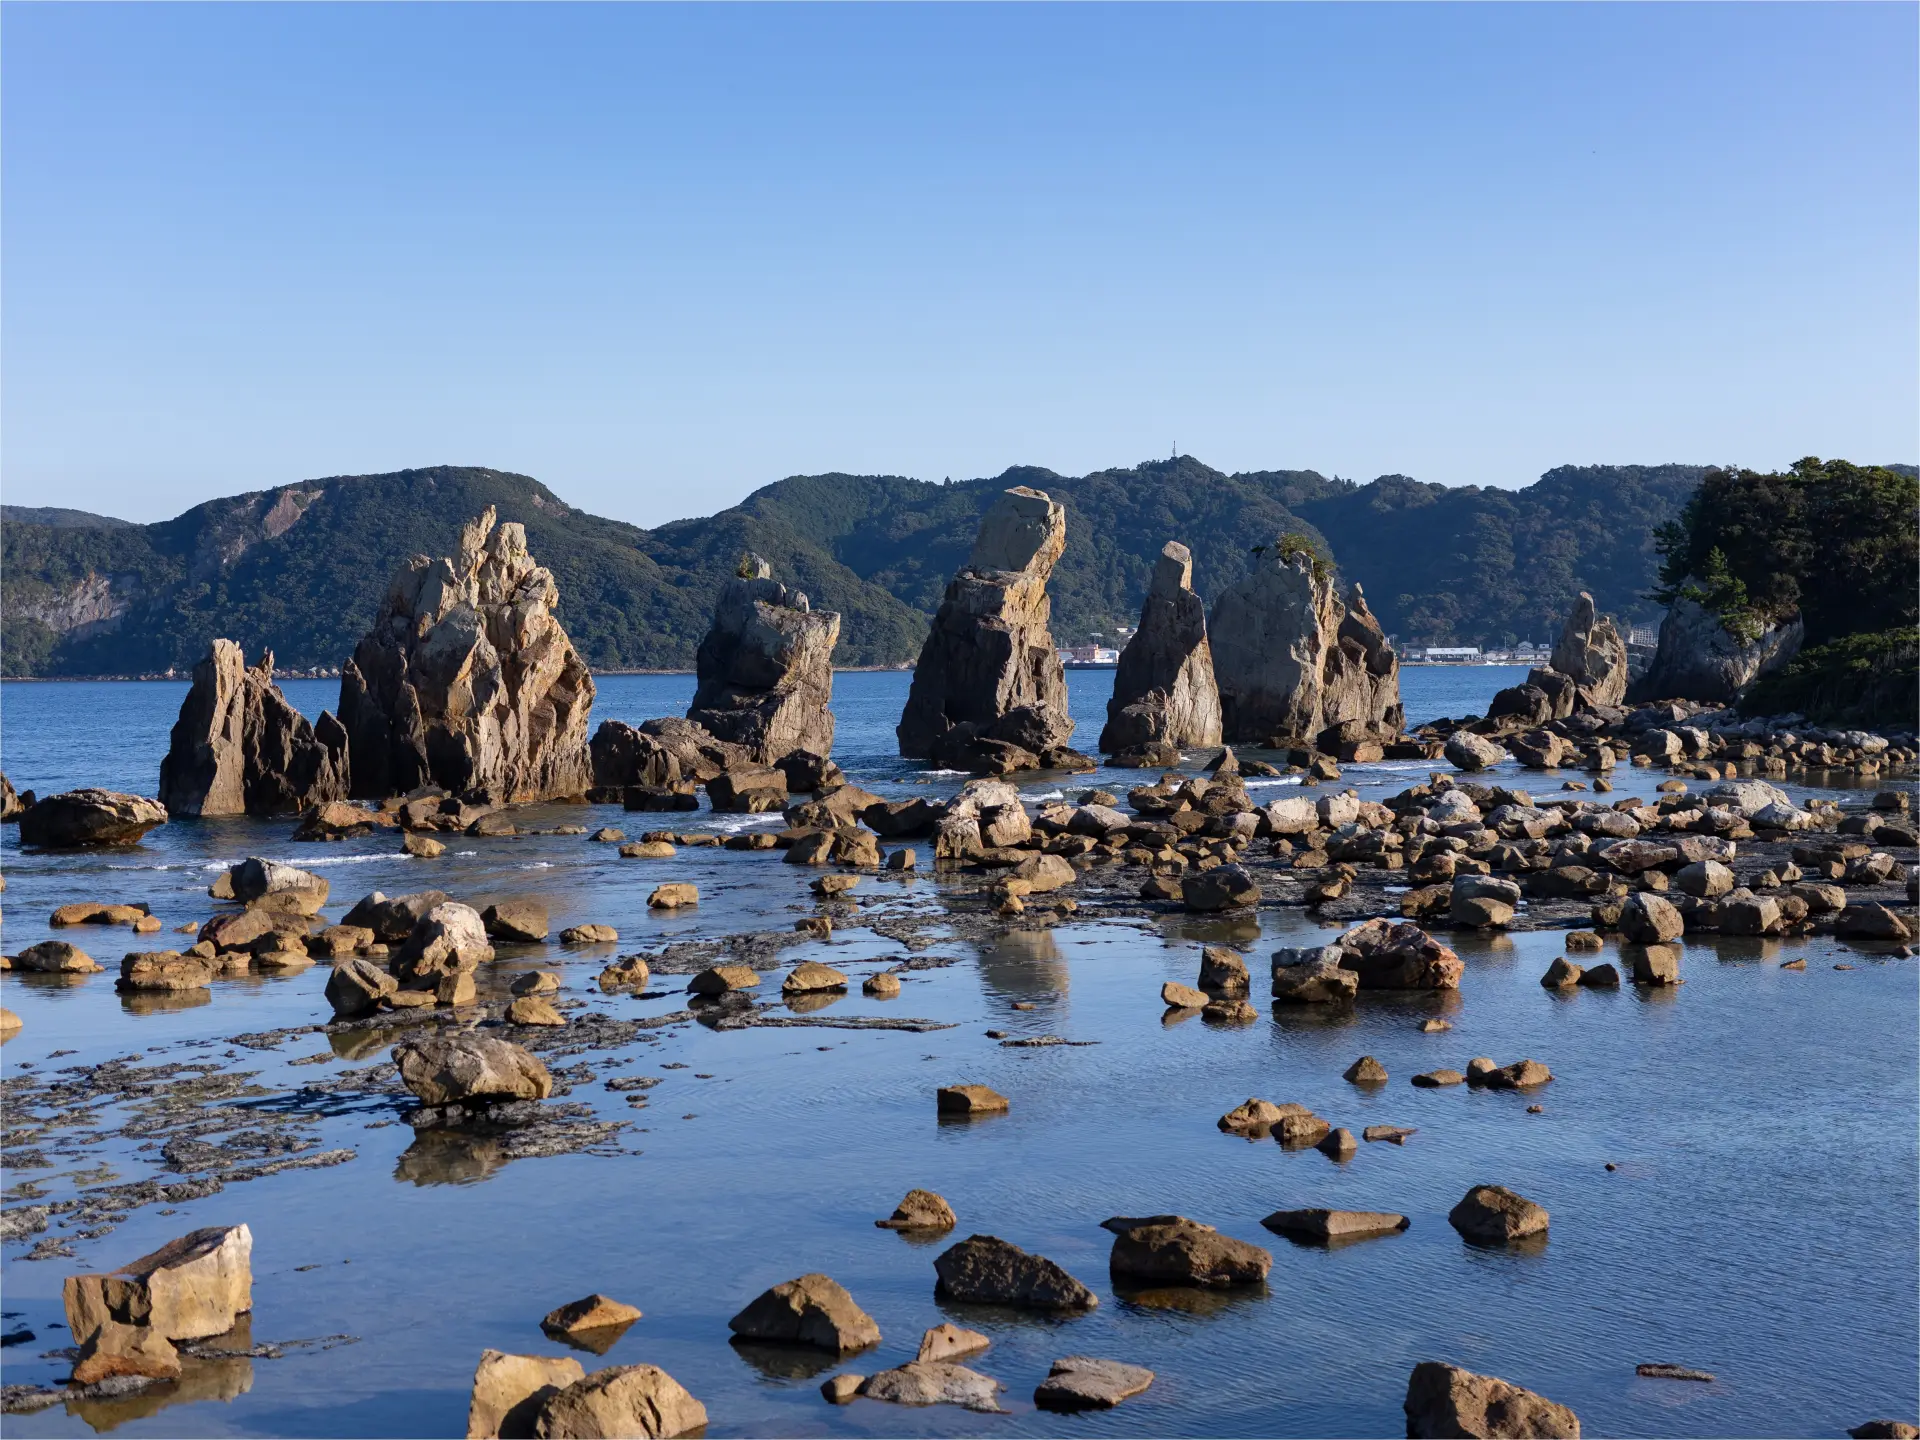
(989, 692)
(766, 668)
(1294, 663)
(466, 681)
(1699, 660)
(1591, 653)
(1164, 697)
(239, 747)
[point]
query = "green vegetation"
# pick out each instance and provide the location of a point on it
(301, 569)
(1867, 679)
(1833, 542)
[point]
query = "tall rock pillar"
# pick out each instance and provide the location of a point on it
(240, 748)
(766, 668)
(1164, 696)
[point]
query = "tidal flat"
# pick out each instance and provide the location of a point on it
(1760, 1124)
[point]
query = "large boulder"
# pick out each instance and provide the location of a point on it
(1386, 956)
(989, 689)
(467, 681)
(450, 1069)
(1699, 659)
(449, 939)
(624, 756)
(1292, 661)
(239, 747)
(1163, 691)
(509, 1389)
(80, 818)
(1179, 1251)
(766, 667)
(1444, 1400)
(623, 1400)
(813, 1310)
(1591, 654)
(189, 1288)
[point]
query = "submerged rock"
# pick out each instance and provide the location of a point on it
(1163, 691)
(766, 668)
(1329, 1225)
(989, 692)
(467, 681)
(240, 748)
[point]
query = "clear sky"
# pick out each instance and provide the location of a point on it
(660, 256)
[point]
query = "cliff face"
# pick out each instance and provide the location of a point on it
(467, 681)
(1699, 660)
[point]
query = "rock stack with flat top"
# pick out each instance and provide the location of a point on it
(989, 693)
(766, 668)
(1295, 664)
(467, 681)
(239, 747)
(1164, 696)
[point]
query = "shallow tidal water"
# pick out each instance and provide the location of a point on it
(1760, 1223)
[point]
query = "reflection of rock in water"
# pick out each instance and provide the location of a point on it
(162, 1002)
(1188, 1299)
(808, 1001)
(785, 1362)
(1237, 931)
(200, 1380)
(359, 1044)
(1023, 963)
(450, 1157)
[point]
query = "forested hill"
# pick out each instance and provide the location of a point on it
(301, 569)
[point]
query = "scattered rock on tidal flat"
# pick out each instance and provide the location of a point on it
(520, 921)
(970, 1100)
(447, 1069)
(719, 979)
(1434, 1079)
(508, 1389)
(1495, 1215)
(984, 1269)
(1331, 1225)
(1444, 1400)
(55, 957)
(1185, 1252)
(589, 935)
(1182, 997)
(883, 986)
(534, 1010)
(673, 896)
(920, 1210)
(188, 1289)
(927, 1382)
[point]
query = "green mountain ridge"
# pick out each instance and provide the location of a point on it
(301, 568)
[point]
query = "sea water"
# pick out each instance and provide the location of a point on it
(1758, 1221)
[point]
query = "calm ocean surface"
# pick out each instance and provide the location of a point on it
(1760, 1223)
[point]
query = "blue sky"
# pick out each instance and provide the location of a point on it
(660, 256)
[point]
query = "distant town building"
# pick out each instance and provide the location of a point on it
(1089, 655)
(1451, 652)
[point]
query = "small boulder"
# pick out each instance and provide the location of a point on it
(521, 921)
(920, 1210)
(927, 1382)
(1600, 977)
(594, 1312)
(623, 1400)
(883, 986)
(673, 896)
(1650, 920)
(509, 1389)
(1225, 887)
(648, 850)
(269, 885)
(1444, 1400)
(719, 979)
(164, 970)
(1435, 1079)
(1470, 752)
(532, 1010)
(115, 1350)
(448, 1069)
(589, 935)
(1494, 1215)
(1080, 1382)
(1520, 1075)
(1185, 1252)
(808, 976)
(356, 987)
(970, 1100)
(55, 957)
(812, 1310)
(1654, 964)
(1325, 1226)
(188, 1289)
(1182, 997)
(1562, 974)
(425, 847)
(1365, 1071)
(540, 982)
(1222, 970)
(950, 1342)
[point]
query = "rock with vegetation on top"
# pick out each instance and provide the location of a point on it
(1444, 1400)
(467, 681)
(1291, 660)
(240, 748)
(766, 668)
(78, 819)
(1700, 658)
(1163, 691)
(989, 693)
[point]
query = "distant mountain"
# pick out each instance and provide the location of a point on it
(59, 519)
(301, 568)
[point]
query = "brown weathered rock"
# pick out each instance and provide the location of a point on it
(1257, 1116)
(1225, 887)
(1650, 920)
(268, 885)
(619, 1403)
(1872, 922)
(1292, 661)
(532, 1010)
(9, 1022)
(984, 1269)
(950, 1342)
(673, 895)
(189, 1288)
(1330, 1225)
(591, 1312)
(766, 668)
(1163, 691)
(809, 976)
(1494, 1215)
(447, 1069)
(1185, 1252)
(81, 818)
(1468, 751)
(1520, 1075)
(423, 847)
(1183, 997)
(1444, 1400)
(356, 987)
(989, 690)
(1386, 956)
(589, 935)
(811, 1310)
(1312, 975)
(1080, 1382)
(391, 919)
(94, 912)
(240, 748)
(508, 1391)
(125, 1350)
(719, 979)
(449, 939)
(523, 921)
(1222, 970)
(1591, 654)
(928, 1382)
(1562, 974)
(164, 970)
(1365, 1071)
(920, 1210)
(969, 1100)
(1653, 964)
(55, 957)
(883, 986)
(467, 681)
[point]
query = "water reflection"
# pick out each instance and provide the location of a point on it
(450, 1157)
(1023, 965)
(164, 1002)
(808, 1001)
(1199, 1301)
(1238, 931)
(219, 1380)
(595, 1340)
(785, 1362)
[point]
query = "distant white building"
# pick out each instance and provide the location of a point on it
(1452, 652)
(1089, 655)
